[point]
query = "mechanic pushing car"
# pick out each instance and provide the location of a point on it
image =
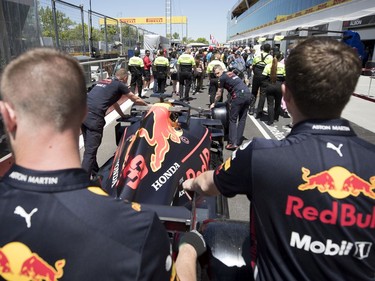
(239, 99)
(312, 194)
(54, 225)
(105, 94)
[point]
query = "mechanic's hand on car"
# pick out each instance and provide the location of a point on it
(194, 239)
(188, 185)
(191, 246)
(203, 184)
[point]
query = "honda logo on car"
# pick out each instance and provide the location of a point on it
(167, 174)
(115, 173)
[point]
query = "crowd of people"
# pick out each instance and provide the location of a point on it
(186, 69)
(244, 62)
(315, 222)
(235, 59)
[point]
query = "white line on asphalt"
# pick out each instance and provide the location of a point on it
(260, 128)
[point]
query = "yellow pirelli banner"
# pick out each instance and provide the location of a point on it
(146, 20)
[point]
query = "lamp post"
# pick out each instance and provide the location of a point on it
(120, 25)
(90, 31)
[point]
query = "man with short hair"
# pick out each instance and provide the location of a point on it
(214, 81)
(312, 194)
(54, 224)
(106, 93)
(239, 99)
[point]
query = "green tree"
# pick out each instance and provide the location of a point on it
(176, 35)
(112, 32)
(186, 40)
(97, 34)
(201, 40)
(76, 32)
(64, 23)
(130, 35)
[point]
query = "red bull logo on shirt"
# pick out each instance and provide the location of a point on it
(338, 183)
(18, 263)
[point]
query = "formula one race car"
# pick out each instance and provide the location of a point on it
(159, 147)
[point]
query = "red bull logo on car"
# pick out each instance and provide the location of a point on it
(339, 183)
(164, 129)
(18, 263)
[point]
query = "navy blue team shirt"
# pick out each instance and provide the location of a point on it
(55, 227)
(312, 200)
(104, 94)
(233, 84)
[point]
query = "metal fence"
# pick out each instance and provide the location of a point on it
(96, 70)
(82, 31)
(55, 23)
(76, 30)
(19, 28)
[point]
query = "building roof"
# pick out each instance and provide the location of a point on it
(350, 10)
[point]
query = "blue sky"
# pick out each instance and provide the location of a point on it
(204, 17)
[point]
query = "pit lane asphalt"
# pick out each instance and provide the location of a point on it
(359, 112)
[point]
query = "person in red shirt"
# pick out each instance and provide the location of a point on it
(147, 70)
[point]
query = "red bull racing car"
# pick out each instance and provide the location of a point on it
(159, 147)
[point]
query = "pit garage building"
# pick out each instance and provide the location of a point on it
(280, 22)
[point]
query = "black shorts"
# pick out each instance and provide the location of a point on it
(147, 75)
(174, 76)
